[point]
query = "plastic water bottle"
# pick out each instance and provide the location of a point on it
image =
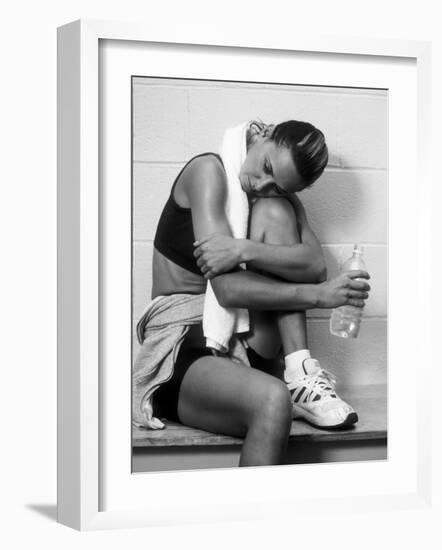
(346, 320)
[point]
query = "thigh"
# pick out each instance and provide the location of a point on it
(221, 396)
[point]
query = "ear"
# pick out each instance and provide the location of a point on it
(254, 128)
(267, 130)
(254, 134)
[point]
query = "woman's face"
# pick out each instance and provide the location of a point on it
(269, 170)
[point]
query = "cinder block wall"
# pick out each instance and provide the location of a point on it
(175, 119)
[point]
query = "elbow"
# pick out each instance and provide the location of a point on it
(318, 271)
(315, 268)
(321, 271)
(223, 293)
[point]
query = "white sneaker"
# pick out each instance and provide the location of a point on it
(315, 400)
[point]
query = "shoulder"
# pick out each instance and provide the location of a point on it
(204, 174)
(206, 166)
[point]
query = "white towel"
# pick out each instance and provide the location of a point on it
(220, 323)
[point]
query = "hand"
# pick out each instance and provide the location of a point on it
(349, 288)
(217, 254)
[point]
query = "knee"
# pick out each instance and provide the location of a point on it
(275, 215)
(274, 210)
(274, 408)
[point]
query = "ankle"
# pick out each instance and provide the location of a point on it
(294, 364)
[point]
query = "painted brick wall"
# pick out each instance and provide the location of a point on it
(174, 120)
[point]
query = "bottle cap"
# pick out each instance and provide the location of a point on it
(358, 249)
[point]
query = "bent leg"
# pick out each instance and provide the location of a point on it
(273, 221)
(220, 396)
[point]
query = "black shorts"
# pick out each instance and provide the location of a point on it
(165, 398)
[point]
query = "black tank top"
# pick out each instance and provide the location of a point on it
(174, 237)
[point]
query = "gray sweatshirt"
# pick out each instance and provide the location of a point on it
(161, 331)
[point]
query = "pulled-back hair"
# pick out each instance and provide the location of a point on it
(307, 147)
(305, 142)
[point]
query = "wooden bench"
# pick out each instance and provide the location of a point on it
(370, 401)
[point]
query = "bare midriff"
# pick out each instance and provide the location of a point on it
(169, 278)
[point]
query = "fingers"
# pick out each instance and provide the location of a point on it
(358, 274)
(201, 247)
(356, 287)
(197, 252)
(204, 268)
(356, 303)
(358, 294)
(200, 262)
(207, 271)
(355, 284)
(204, 240)
(359, 285)
(201, 241)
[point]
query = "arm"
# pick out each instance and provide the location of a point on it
(206, 193)
(291, 250)
(253, 291)
(301, 262)
(295, 262)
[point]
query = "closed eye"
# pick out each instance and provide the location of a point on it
(268, 169)
(280, 191)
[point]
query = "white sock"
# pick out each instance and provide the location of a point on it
(293, 364)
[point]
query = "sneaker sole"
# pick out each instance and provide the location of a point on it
(350, 420)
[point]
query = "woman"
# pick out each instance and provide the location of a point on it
(285, 276)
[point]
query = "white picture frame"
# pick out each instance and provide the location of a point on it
(86, 461)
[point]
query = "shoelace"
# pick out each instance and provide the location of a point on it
(321, 383)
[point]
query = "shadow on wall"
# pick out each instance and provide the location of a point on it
(344, 207)
(341, 210)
